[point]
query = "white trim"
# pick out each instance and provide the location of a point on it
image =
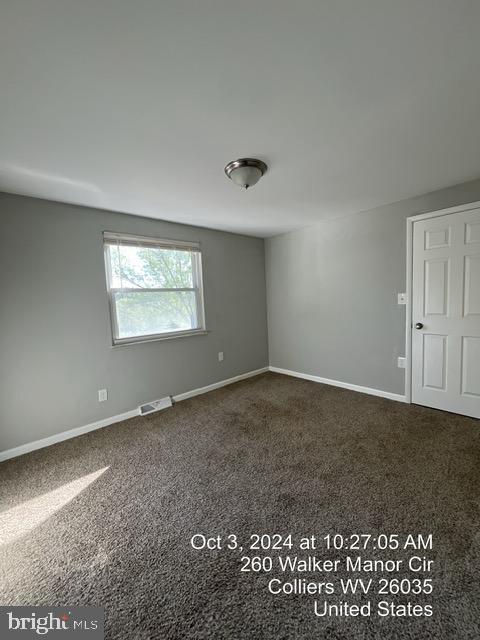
(344, 385)
(129, 342)
(217, 385)
(445, 212)
(408, 321)
(65, 435)
(78, 431)
(408, 313)
(112, 237)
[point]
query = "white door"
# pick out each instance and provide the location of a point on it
(446, 313)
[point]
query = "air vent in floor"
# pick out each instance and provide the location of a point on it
(155, 405)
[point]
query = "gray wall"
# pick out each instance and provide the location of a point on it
(332, 293)
(55, 350)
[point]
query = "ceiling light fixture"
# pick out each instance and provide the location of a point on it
(246, 171)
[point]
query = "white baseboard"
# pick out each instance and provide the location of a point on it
(78, 431)
(344, 385)
(65, 435)
(217, 385)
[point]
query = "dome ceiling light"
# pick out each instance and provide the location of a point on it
(246, 171)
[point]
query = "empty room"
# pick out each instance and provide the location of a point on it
(240, 320)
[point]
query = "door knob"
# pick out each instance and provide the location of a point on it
(419, 325)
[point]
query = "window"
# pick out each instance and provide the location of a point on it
(154, 287)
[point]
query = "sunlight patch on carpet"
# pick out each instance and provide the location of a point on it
(20, 520)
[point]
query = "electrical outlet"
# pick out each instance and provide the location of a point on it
(401, 298)
(102, 395)
(401, 362)
(220, 356)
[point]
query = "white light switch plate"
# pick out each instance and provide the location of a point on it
(402, 298)
(220, 356)
(401, 362)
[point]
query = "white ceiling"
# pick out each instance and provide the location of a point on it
(137, 105)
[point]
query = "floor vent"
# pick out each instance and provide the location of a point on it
(155, 405)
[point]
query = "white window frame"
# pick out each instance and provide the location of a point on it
(111, 239)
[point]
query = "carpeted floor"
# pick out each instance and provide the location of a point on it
(106, 519)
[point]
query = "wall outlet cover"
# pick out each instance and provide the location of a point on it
(401, 361)
(102, 395)
(220, 356)
(402, 298)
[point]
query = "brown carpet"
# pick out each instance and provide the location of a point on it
(269, 454)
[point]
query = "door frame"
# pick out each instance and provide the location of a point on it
(409, 282)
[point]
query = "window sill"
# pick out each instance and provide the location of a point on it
(159, 338)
